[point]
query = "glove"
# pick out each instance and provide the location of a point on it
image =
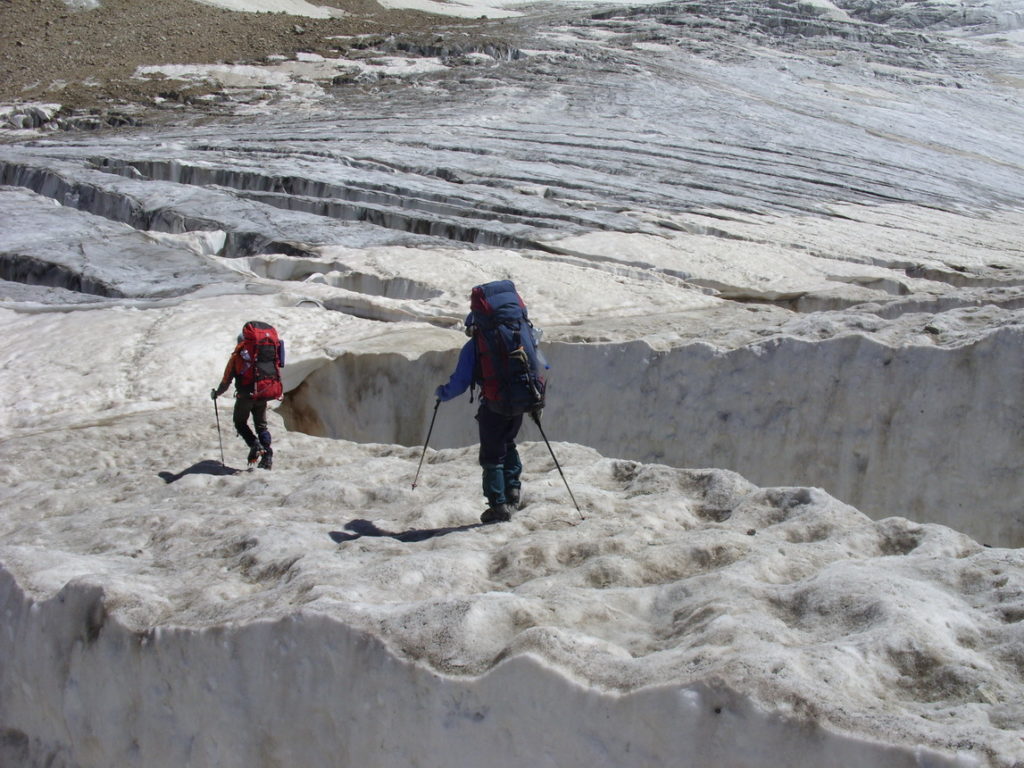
(438, 392)
(214, 393)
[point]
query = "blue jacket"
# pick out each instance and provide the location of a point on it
(462, 378)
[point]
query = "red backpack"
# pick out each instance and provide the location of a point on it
(264, 352)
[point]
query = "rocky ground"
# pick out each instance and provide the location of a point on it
(85, 59)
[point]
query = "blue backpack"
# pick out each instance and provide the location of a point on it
(509, 363)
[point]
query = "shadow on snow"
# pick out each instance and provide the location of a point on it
(359, 528)
(204, 467)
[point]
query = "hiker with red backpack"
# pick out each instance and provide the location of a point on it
(501, 357)
(255, 366)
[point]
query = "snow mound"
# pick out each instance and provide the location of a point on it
(778, 609)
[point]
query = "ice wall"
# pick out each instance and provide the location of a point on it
(93, 693)
(923, 432)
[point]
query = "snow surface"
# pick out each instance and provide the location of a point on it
(781, 291)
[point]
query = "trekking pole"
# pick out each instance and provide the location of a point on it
(216, 412)
(422, 455)
(536, 420)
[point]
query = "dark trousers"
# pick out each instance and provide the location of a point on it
(245, 407)
(499, 458)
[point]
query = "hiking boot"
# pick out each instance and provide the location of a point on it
(514, 496)
(255, 451)
(267, 462)
(496, 513)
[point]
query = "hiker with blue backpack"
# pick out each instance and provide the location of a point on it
(501, 357)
